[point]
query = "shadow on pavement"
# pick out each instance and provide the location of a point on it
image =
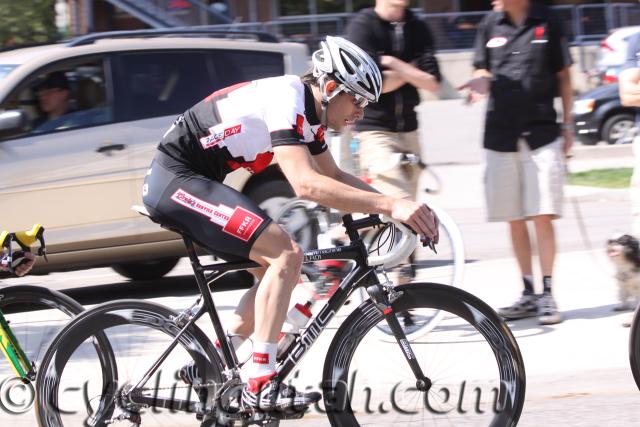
(532, 324)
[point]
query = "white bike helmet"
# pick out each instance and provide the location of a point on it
(355, 71)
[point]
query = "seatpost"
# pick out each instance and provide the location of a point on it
(229, 356)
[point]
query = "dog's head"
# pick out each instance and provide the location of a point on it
(624, 247)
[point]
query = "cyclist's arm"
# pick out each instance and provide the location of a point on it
(327, 166)
(309, 181)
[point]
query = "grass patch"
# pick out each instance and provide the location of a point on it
(607, 178)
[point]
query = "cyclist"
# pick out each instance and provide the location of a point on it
(22, 262)
(246, 126)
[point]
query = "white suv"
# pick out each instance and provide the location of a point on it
(80, 176)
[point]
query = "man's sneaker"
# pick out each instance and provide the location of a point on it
(526, 306)
(275, 396)
(548, 310)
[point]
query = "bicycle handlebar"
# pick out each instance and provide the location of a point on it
(25, 239)
(400, 251)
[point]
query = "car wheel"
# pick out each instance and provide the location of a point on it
(146, 270)
(590, 139)
(271, 196)
(618, 129)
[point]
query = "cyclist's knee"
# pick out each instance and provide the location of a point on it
(290, 259)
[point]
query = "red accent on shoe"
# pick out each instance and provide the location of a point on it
(254, 385)
(261, 358)
(217, 344)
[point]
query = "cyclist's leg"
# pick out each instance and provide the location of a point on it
(216, 216)
(241, 323)
(283, 258)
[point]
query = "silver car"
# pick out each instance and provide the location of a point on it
(80, 175)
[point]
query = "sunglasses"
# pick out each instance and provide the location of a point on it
(360, 101)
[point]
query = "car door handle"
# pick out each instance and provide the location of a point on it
(110, 147)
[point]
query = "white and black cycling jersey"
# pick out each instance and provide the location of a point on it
(237, 127)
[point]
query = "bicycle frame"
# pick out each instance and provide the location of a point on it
(14, 353)
(360, 275)
(9, 344)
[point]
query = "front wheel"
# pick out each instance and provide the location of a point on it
(471, 358)
(445, 266)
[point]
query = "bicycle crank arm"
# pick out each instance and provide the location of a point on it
(139, 399)
(380, 295)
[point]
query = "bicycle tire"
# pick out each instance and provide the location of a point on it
(484, 330)
(152, 318)
(35, 315)
(449, 232)
(634, 347)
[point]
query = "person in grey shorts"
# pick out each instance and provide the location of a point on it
(402, 45)
(522, 62)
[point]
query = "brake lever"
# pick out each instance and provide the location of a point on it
(42, 250)
(428, 243)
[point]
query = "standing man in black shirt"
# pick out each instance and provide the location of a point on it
(402, 46)
(522, 61)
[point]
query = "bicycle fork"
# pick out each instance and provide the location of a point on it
(383, 297)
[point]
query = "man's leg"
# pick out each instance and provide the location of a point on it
(526, 306)
(548, 310)
(544, 188)
(241, 322)
(283, 259)
(546, 240)
(521, 245)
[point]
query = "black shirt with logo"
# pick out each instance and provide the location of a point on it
(524, 62)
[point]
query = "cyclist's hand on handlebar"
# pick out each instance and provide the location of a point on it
(21, 262)
(418, 216)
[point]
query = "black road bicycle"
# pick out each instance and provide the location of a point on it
(467, 371)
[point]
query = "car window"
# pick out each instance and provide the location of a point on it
(65, 96)
(5, 69)
(235, 66)
(153, 84)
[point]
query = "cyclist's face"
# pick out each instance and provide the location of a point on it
(343, 111)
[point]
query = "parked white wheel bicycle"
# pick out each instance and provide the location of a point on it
(299, 216)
